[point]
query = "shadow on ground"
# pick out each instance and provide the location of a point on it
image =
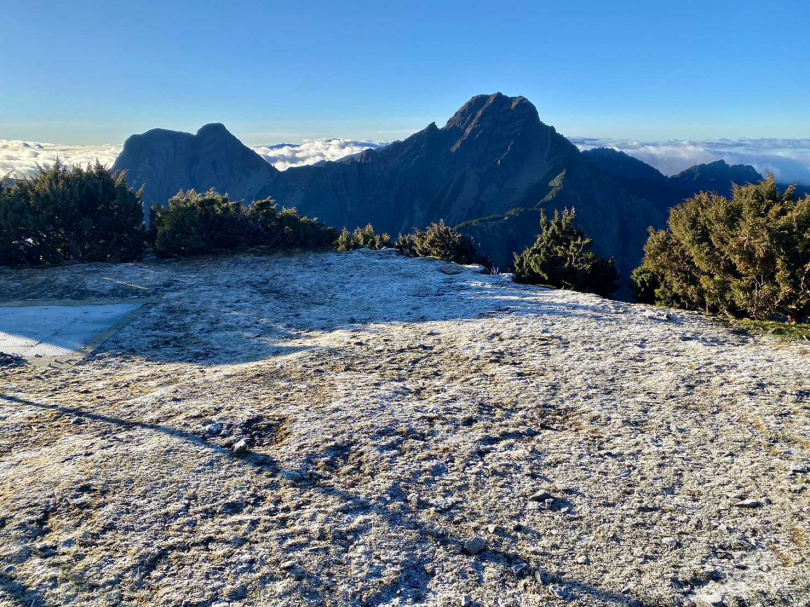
(413, 584)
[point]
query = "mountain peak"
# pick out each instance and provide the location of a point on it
(212, 129)
(720, 170)
(496, 105)
(164, 162)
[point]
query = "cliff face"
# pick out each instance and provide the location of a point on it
(164, 162)
(642, 180)
(491, 169)
(493, 161)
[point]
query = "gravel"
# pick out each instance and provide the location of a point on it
(390, 413)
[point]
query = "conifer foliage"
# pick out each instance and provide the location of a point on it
(747, 256)
(195, 223)
(562, 257)
(70, 214)
(362, 238)
(441, 242)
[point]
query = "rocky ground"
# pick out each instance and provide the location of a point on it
(364, 429)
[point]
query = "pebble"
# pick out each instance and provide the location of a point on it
(559, 592)
(709, 600)
(541, 496)
(240, 446)
(582, 559)
(287, 565)
(748, 503)
(475, 546)
(540, 578)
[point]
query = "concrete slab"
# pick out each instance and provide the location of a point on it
(46, 331)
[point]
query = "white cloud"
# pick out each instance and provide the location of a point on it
(22, 157)
(287, 155)
(787, 159)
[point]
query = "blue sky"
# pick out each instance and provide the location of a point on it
(95, 72)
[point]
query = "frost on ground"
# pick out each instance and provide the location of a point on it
(346, 428)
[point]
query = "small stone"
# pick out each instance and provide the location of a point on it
(287, 565)
(451, 269)
(240, 447)
(670, 542)
(559, 592)
(799, 470)
(475, 545)
(709, 600)
(492, 528)
(582, 559)
(292, 476)
(540, 578)
(748, 503)
(541, 496)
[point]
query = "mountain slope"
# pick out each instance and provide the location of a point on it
(640, 179)
(493, 160)
(164, 162)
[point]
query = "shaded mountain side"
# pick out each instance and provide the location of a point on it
(618, 230)
(641, 179)
(164, 162)
(494, 155)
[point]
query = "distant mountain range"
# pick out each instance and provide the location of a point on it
(489, 170)
(641, 179)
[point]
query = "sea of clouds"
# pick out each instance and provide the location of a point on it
(311, 151)
(21, 158)
(787, 159)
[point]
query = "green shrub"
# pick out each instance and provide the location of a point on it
(285, 229)
(195, 223)
(747, 256)
(70, 214)
(362, 238)
(562, 257)
(441, 242)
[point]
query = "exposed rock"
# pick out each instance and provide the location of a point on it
(709, 600)
(490, 170)
(451, 269)
(541, 496)
(748, 503)
(475, 546)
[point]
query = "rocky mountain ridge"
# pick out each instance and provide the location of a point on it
(641, 179)
(491, 169)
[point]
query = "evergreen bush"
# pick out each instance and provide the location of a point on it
(441, 242)
(744, 256)
(70, 214)
(195, 223)
(562, 257)
(362, 238)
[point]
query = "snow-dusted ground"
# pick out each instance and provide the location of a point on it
(332, 428)
(34, 332)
